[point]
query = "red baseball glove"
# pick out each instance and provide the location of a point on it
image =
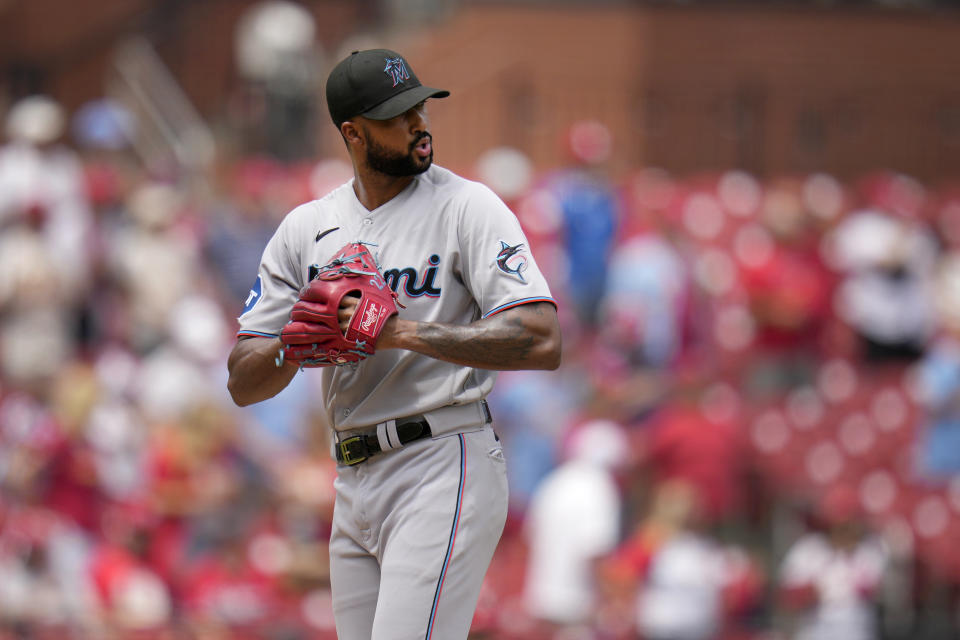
(312, 337)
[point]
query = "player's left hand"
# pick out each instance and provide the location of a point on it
(328, 324)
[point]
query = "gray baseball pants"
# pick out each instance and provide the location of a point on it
(414, 531)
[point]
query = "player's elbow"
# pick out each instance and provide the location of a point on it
(235, 384)
(240, 401)
(544, 324)
(549, 346)
(237, 394)
(243, 390)
(550, 351)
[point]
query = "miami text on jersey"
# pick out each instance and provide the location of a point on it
(409, 277)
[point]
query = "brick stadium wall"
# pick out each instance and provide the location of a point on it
(689, 89)
(770, 90)
(777, 91)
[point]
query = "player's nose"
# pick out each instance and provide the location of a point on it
(417, 120)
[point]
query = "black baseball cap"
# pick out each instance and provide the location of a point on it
(376, 84)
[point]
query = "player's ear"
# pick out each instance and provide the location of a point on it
(351, 133)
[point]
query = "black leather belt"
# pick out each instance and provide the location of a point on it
(360, 447)
(357, 449)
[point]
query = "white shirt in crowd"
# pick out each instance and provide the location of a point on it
(840, 578)
(681, 597)
(574, 519)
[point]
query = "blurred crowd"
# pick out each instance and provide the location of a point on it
(755, 432)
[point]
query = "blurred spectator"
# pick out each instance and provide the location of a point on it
(831, 578)
(507, 171)
(131, 593)
(154, 262)
(104, 131)
(644, 300)
(789, 289)
(183, 372)
(939, 378)
(531, 410)
(29, 592)
(681, 583)
(44, 234)
(71, 484)
(255, 192)
(277, 57)
(886, 294)
(118, 440)
(42, 188)
(35, 322)
(42, 573)
(103, 125)
(224, 594)
(572, 521)
(590, 216)
(696, 441)
(203, 485)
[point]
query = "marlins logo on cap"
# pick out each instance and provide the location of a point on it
(397, 70)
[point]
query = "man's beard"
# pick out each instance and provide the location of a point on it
(398, 165)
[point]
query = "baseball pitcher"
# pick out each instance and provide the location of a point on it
(408, 287)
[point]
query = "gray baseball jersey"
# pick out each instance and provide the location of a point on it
(448, 246)
(414, 529)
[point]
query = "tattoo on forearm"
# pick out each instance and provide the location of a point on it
(496, 344)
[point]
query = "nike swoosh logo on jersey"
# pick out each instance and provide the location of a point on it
(321, 234)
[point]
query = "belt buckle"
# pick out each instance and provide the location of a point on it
(352, 450)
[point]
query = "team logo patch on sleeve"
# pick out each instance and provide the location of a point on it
(511, 260)
(256, 292)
